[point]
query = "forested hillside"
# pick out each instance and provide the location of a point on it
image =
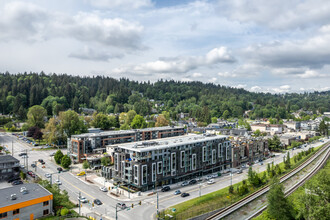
(56, 92)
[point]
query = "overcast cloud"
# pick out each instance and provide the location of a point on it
(262, 46)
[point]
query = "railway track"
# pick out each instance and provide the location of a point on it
(235, 206)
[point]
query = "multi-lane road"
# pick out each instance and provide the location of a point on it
(73, 184)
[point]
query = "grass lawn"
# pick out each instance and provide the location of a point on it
(221, 198)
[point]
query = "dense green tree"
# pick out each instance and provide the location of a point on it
(36, 116)
(58, 156)
(105, 161)
(102, 121)
(86, 165)
(138, 122)
(65, 161)
(278, 206)
(71, 123)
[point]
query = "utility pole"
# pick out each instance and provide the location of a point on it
(157, 206)
(79, 201)
(12, 148)
(27, 160)
(116, 213)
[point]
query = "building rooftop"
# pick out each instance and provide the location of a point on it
(164, 143)
(33, 191)
(8, 159)
(107, 133)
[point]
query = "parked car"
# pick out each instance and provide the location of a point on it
(200, 179)
(47, 175)
(103, 189)
(97, 202)
(210, 181)
(82, 199)
(177, 192)
(209, 177)
(59, 169)
(185, 183)
(52, 154)
(58, 182)
(191, 182)
(21, 154)
(166, 188)
(33, 165)
(185, 194)
(121, 205)
(81, 173)
(17, 182)
(29, 172)
(214, 175)
(239, 171)
(22, 166)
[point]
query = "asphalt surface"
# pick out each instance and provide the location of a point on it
(73, 184)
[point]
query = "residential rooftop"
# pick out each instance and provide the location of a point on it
(34, 191)
(8, 159)
(164, 143)
(107, 133)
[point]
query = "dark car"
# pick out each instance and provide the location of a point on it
(166, 188)
(29, 172)
(41, 160)
(97, 202)
(21, 154)
(13, 179)
(17, 182)
(185, 194)
(33, 165)
(121, 205)
(59, 169)
(191, 182)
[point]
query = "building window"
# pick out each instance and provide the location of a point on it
(153, 171)
(219, 150)
(3, 215)
(16, 211)
(204, 153)
(159, 167)
(46, 211)
(214, 153)
(144, 174)
(182, 159)
(173, 161)
(193, 165)
(46, 203)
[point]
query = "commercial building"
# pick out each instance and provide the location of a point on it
(249, 150)
(269, 128)
(144, 165)
(9, 167)
(28, 201)
(84, 145)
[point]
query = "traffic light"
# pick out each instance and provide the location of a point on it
(132, 205)
(140, 202)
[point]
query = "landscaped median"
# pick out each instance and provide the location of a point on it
(226, 196)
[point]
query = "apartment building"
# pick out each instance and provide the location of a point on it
(9, 167)
(248, 150)
(28, 201)
(147, 164)
(84, 145)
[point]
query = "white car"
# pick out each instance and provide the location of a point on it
(82, 199)
(209, 177)
(58, 182)
(47, 175)
(103, 189)
(214, 175)
(210, 181)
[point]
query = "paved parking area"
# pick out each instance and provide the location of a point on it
(4, 184)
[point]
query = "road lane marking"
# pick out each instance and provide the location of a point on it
(78, 188)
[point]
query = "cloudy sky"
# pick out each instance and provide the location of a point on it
(264, 46)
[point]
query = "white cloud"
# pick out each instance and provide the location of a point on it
(195, 75)
(227, 75)
(121, 4)
(212, 80)
(28, 21)
(181, 64)
(241, 86)
(95, 55)
(293, 14)
(186, 80)
(255, 89)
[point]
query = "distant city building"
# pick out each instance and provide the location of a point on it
(271, 128)
(9, 167)
(27, 201)
(293, 125)
(145, 164)
(84, 145)
(249, 150)
(326, 114)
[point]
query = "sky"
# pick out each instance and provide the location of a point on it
(275, 46)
